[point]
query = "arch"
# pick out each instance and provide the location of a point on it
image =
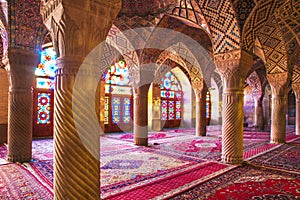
(223, 24)
(274, 48)
(190, 11)
(286, 17)
(257, 19)
(178, 38)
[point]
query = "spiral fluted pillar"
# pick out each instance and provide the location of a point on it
(140, 115)
(77, 139)
(278, 83)
(79, 29)
(21, 74)
(233, 67)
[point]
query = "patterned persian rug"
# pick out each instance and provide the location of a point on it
(247, 182)
(16, 182)
(134, 172)
(286, 156)
(44, 170)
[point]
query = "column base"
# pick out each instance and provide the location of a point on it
(278, 141)
(141, 141)
(201, 134)
(19, 158)
(232, 160)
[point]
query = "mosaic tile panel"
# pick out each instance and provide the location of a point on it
(25, 24)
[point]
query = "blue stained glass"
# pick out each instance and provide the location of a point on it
(126, 110)
(178, 110)
(43, 108)
(116, 110)
(47, 67)
(117, 74)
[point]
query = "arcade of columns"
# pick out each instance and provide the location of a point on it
(77, 28)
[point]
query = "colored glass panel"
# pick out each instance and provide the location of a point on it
(43, 108)
(170, 82)
(47, 67)
(178, 110)
(117, 74)
(164, 112)
(45, 83)
(106, 110)
(171, 110)
(126, 110)
(116, 105)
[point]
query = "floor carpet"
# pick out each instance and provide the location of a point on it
(177, 164)
(16, 182)
(247, 182)
(287, 156)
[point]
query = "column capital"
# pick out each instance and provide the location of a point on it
(78, 27)
(233, 67)
(279, 83)
(21, 69)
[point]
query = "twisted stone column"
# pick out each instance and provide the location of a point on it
(78, 27)
(21, 74)
(140, 115)
(201, 111)
(77, 137)
(279, 83)
(296, 88)
(233, 67)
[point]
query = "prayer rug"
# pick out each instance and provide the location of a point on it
(247, 182)
(16, 182)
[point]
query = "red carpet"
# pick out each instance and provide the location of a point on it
(17, 183)
(170, 185)
(286, 156)
(247, 182)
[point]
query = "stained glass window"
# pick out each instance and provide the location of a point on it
(43, 107)
(171, 96)
(45, 71)
(126, 110)
(117, 74)
(118, 102)
(116, 110)
(208, 105)
(106, 110)
(164, 112)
